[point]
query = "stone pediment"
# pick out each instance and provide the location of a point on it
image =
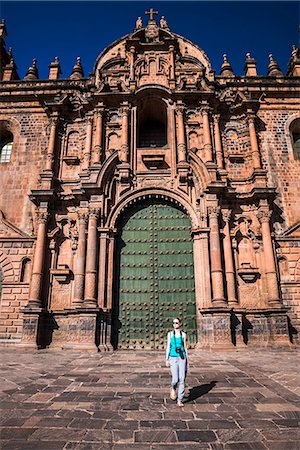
(152, 54)
(7, 229)
(293, 231)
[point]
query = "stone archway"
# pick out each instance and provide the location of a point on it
(154, 275)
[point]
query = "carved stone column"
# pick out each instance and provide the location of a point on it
(110, 270)
(90, 298)
(253, 141)
(102, 267)
(201, 268)
(181, 145)
(88, 143)
(51, 144)
(132, 82)
(218, 142)
(228, 258)
(98, 136)
(206, 134)
(123, 152)
(215, 258)
(79, 274)
(172, 67)
(272, 281)
(35, 300)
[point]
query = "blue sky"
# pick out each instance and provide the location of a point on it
(69, 29)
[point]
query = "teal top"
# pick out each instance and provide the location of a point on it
(176, 342)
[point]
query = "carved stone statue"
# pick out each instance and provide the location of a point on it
(163, 23)
(139, 23)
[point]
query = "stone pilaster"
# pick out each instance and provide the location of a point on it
(88, 143)
(110, 270)
(215, 258)
(79, 274)
(181, 142)
(35, 300)
(124, 151)
(253, 141)
(90, 297)
(201, 268)
(218, 142)
(229, 265)
(102, 267)
(172, 67)
(51, 145)
(206, 134)
(272, 281)
(98, 150)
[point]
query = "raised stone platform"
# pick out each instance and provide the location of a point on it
(65, 400)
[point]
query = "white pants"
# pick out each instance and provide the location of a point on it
(178, 370)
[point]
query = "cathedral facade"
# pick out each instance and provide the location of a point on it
(151, 189)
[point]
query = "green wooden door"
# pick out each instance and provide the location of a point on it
(155, 276)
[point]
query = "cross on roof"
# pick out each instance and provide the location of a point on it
(151, 12)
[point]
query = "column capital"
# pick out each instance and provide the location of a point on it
(94, 212)
(42, 217)
(213, 211)
(124, 109)
(89, 118)
(216, 118)
(205, 110)
(264, 216)
(226, 215)
(251, 116)
(99, 111)
(54, 117)
(82, 217)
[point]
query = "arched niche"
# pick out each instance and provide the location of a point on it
(151, 123)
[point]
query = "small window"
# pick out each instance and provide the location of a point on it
(6, 146)
(295, 137)
(25, 270)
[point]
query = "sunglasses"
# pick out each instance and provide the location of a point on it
(176, 322)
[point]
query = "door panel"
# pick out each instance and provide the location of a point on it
(154, 276)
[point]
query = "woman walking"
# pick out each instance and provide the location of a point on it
(176, 358)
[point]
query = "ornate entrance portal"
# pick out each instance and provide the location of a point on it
(154, 276)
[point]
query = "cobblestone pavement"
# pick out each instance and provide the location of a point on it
(75, 401)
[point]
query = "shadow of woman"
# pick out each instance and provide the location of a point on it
(199, 391)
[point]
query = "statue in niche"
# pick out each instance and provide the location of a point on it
(246, 256)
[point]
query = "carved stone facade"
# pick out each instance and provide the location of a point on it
(152, 123)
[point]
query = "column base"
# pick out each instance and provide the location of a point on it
(215, 330)
(31, 337)
(260, 328)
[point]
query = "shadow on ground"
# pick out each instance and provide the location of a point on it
(199, 391)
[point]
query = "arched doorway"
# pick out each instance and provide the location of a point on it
(154, 276)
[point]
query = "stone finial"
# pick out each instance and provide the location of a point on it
(226, 69)
(55, 70)
(164, 24)
(77, 71)
(294, 63)
(250, 66)
(138, 23)
(10, 70)
(3, 32)
(273, 68)
(32, 72)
